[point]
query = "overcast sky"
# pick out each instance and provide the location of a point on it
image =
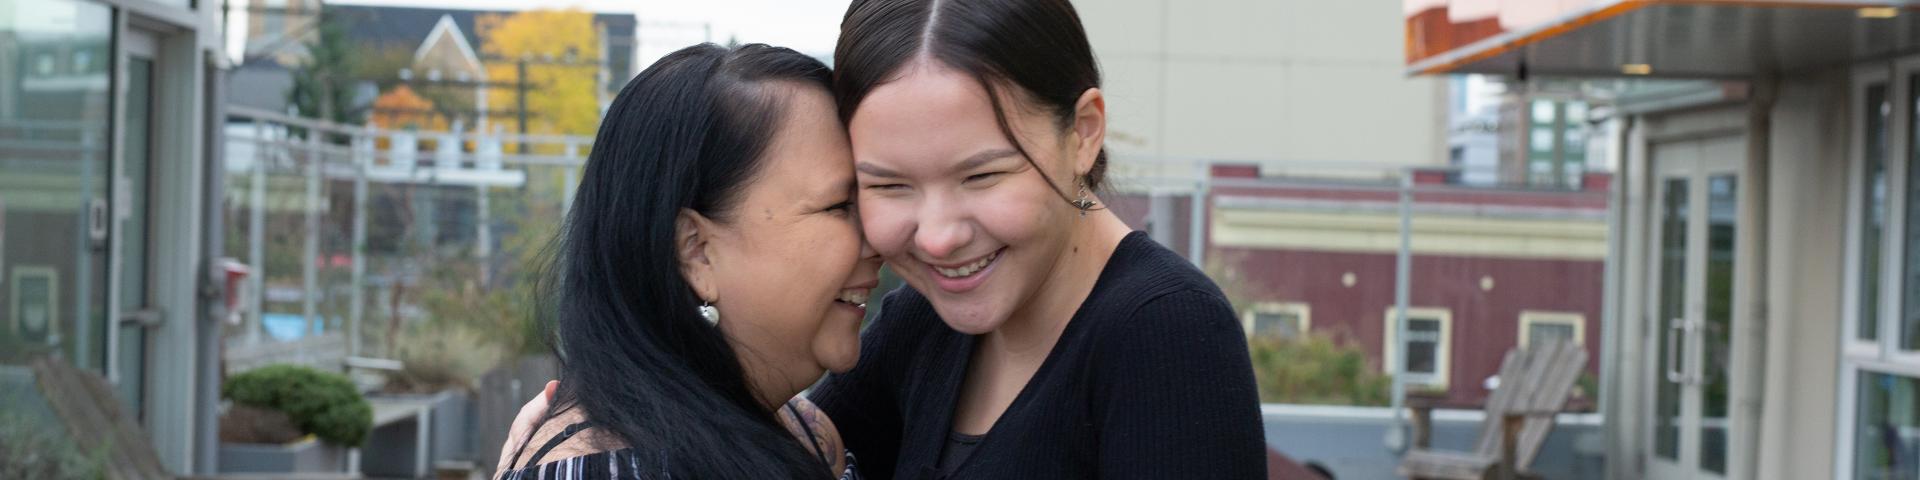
(805, 25)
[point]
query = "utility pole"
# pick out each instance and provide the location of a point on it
(522, 88)
(1402, 287)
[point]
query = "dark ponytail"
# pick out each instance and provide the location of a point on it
(1036, 47)
(635, 356)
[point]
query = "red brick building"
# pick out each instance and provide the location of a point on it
(1491, 268)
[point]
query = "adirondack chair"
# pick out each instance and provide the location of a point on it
(1519, 414)
(86, 405)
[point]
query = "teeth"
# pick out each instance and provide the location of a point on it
(968, 269)
(856, 297)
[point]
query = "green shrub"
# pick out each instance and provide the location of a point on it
(1315, 370)
(323, 404)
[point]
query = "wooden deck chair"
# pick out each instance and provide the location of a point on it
(92, 415)
(1519, 414)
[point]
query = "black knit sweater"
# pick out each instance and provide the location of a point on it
(1150, 379)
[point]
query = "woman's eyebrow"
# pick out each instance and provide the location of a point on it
(983, 158)
(876, 170)
(972, 162)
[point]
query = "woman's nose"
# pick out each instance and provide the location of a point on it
(941, 239)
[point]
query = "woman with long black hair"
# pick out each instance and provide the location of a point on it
(710, 268)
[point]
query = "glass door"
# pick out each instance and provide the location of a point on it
(1693, 278)
(132, 233)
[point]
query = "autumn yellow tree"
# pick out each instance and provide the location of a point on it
(561, 52)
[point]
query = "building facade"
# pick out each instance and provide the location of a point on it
(1491, 270)
(105, 178)
(1254, 81)
(1763, 288)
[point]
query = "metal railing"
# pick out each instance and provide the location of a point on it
(301, 183)
(283, 166)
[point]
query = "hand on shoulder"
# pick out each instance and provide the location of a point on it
(814, 430)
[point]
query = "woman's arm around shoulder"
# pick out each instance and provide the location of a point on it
(815, 430)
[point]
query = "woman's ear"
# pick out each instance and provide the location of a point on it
(1089, 129)
(691, 241)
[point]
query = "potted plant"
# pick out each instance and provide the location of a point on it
(289, 418)
(439, 367)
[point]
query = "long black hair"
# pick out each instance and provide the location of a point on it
(635, 356)
(1035, 46)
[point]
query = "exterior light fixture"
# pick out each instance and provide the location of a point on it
(1879, 12)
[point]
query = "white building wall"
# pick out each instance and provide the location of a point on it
(1806, 232)
(1264, 80)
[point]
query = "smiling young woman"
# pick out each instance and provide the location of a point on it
(1037, 337)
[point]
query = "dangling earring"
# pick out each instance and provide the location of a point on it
(1084, 203)
(710, 314)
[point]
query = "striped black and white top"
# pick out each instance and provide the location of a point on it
(622, 464)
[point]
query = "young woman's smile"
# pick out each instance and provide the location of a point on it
(963, 276)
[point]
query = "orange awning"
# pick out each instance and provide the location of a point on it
(1665, 38)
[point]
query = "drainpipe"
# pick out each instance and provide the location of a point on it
(1402, 285)
(212, 304)
(1615, 287)
(1748, 401)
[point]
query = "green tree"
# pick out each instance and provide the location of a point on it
(323, 84)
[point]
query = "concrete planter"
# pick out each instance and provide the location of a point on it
(305, 456)
(413, 433)
(453, 438)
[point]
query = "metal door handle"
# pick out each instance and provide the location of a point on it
(1696, 329)
(1679, 329)
(148, 317)
(97, 221)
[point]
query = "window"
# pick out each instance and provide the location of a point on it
(1544, 326)
(1542, 141)
(1277, 319)
(1428, 346)
(1886, 426)
(1872, 213)
(1910, 238)
(1544, 111)
(273, 18)
(1880, 381)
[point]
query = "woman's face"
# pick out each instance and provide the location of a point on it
(789, 268)
(949, 202)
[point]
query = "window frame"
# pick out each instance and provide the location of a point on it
(1442, 374)
(1883, 355)
(1299, 309)
(1884, 340)
(1530, 318)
